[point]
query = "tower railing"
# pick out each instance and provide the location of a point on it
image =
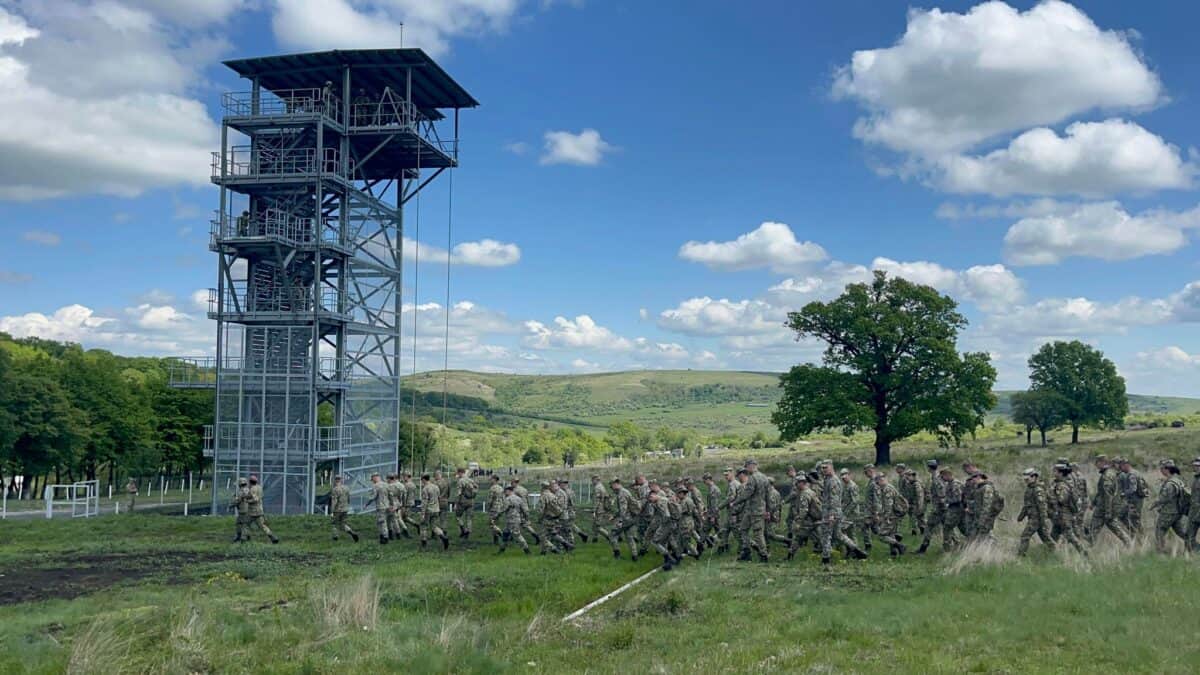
(201, 372)
(332, 442)
(244, 161)
(274, 301)
(283, 103)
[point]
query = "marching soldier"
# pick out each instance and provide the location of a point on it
(443, 512)
(382, 499)
(1036, 510)
(131, 491)
(753, 497)
(831, 516)
(988, 506)
(1134, 489)
(913, 491)
(1062, 503)
(732, 508)
(806, 515)
(496, 504)
(774, 515)
(969, 516)
(955, 509)
(869, 507)
(515, 512)
(892, 506)
(551, 510)
(936, 518)
(431, 513)
(570, 528)
(1171, 506)
(854, 510)
(713, 503)
(241, 505)
(339, 509)
(602, 512)
(688, 513)
(464, 506)
(254, 510)
(395, 513)
(625, 513)
(1104, 504)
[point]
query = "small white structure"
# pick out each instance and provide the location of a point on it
(83, 498)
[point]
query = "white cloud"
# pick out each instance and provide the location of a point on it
(1101, 230)
(705, 316)
(482, 253)
(1092, 158)
(826, 283)
(989, 286)
(42, 237)
(580, 333)
(1042, 206)
(341, 24)
(145, 329)
(1062, 317)
(585, 365)
(517, 147)
(1167, 371)
(1169, 358)
(670, 351)
(772, 245)
(954, 80)
(585, 148)
(95, 102)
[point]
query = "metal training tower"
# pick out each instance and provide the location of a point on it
(317, 162)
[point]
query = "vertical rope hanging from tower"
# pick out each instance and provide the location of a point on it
(446, 336)
(412, 438)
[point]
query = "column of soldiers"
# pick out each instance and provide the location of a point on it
(823, 509)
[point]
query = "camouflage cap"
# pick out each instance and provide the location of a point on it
(1101, 458)
(946, 470)
(771, 479)
(910, 472)
(706, 476)
(508, 488)
(868, 466)
(742, 472)
(879, 476)
(844, 472)
(931, 463)
(750, 462)
(1196, 462)
(901, 467)
(825, 462)
(801, 478)
(564, 481)
(1029, 472)
(1059, 466)
(1123, 460)
(242, 481)
(615, 479)
(1167, 464)
(681, 490)
(728, 469)
(545, 483)
(1063, 460)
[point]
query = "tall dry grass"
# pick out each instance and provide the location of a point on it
(352, 605)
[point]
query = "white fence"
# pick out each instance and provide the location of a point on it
(82, 498)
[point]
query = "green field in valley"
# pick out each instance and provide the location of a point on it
(151, 593)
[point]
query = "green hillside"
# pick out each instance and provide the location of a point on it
(707, 401)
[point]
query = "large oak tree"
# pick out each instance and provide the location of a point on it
(890, 365)
(1089, 389)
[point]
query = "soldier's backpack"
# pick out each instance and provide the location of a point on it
(1185, 499)
(900, 506)
(1141, 490)
(998, 504)
(469, 488)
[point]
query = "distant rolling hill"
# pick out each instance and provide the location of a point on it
(708, 401)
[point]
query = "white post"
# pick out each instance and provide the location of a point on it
(185, 505)
(326, 509)
(110, 490)
(4, 507)
(116, 508)
(202, 485)
(49, 497)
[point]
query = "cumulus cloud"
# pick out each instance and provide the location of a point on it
(1090, 159)
(1101, 230)
(95, 101)
(955, 80)
(1042, 206)
(771, 245)
(582, 332)
(342, 24)
(585, 148)
(143, 329)
(989, 286)
(705, 316)
(482, 253)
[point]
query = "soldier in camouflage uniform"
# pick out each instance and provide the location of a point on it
(1079, 487)
(382, 500)
(1062, 503)
(732, 512)
(464, 505)
(1121, 508)
(1134, 489)
(241, 506)
(753, 499)
(688, 515)
(1170, 505)
(805, 515)
(1194, 509)
(601, 511)
(854, 510)
(774, 515)
(1037, 511)
(395, 523)
(515, 513)
(570, 528)
(969, 516)
(131, 491)
(625, 513)
(870, 506)
(912, 491)
(551, 510)
(831, 516)
(1104, 504)
(495, 507)
(339, 509)
(987, 507)
(954, 509)
(412, 495)
(254, 515)
(659, 529)
(443, 513)
(892, 506)
(936, 518)
(431, 519)
(713, 503)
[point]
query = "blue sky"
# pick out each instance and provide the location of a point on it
(654, 184)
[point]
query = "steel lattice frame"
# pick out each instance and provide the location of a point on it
(308, 300)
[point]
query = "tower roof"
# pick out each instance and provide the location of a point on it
(371, 69)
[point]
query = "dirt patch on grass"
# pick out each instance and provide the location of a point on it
(72, 576)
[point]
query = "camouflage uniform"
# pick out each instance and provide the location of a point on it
(464, 506)
(496, 504)
(1104, 508)
(1134, 490)
(854, 514)
(551, 508)
(701, 509)
(733, 515)
(806, 516)
(602, 520)
(1079, 487)
(1062, 504)
(954, 513)
(254, 515)
(395, 524)
(131, 489)
(1194, 510)
(753, 498)
(382, 499)
(914, 492)
(966, 523)
(625, 512)
(891, 507)
(688, 513)
(515, 512)
(985, 508)
(869, 510)
(570, 528)
(714, 502)
(443, 512)
(831, 518)
(1170, 515)
(643, 516)
(1037, 512)
(412, 495)
(520, 491)
(774, 516)
(241, 503)
(339, 509)
(936, 518)
(431, 514)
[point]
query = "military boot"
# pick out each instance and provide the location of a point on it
(924, 547)
(383, 539)
(859, 554)
(744, 555)
(825, 560)
(901, 549)
(495, 538)
(584, 537)
(616, 554)
(445, 542)
(274, 539)
(354, 536)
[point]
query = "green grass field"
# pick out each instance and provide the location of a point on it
(152, 593)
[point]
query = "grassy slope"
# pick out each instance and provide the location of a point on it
(661, 398)
(257, 608)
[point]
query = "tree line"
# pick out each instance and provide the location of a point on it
(1071, 385)
(67, 414)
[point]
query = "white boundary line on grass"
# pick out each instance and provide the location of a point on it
(605, 598)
